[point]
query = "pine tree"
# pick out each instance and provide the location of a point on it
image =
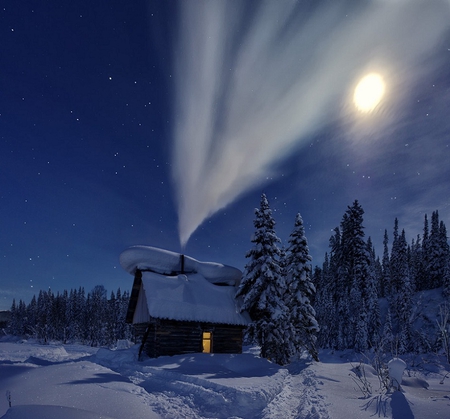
(71, 315)
(321, 301)
(344, 323)
(371, 300)
(350, 284)
(356, 264)
(112, 314)
(446, 290)
(14, 321)
(378, 275)
(338, 295)
(32, 317)
(415, 263)
(335, 273)
(43, 325)
(436, 261)
(386, 282)
(355, 312)
(403, 298)
(444, 253)
(443, 239)
(388, 341)
(394, 264)
(362, 334)
(125, 330)
(404, 344)
(324, 305)
(424, 279)
(97, 309)
(262, 288)
(300, 290)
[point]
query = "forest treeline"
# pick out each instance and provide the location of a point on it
(73, 316)
(292, 306)
(353, 281)
(338, 305)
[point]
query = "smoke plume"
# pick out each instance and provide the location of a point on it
(254, 79)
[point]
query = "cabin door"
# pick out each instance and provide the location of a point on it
(207, 342)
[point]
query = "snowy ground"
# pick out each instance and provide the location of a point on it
(79, 382)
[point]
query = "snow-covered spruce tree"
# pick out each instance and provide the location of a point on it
(445, 248)
(323, 305)
(345, 330)
(446, 289)
(386, 281)
(378, 274)
(299, 292)
(32, 317)
(422, 278)
(436, 251)
(18, 322)
(362, 334)
(403, 299)
(388, 341)
(373, 308)
(356, 263)
(97, 308)
(335, 271)
(414, 262)
(15, 323)
(262, 288)
(111, 316)
(43, 326)
(357, 311)
(348, 282)
(334, 282)
(73, 314)
(393, 264)
(58, 316)
(125, 329)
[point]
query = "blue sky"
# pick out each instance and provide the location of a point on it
(119, 119)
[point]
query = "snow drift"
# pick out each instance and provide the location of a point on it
(79, 382)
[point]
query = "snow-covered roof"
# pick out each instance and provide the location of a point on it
(169, 263)
(190, 297)
(196, 291)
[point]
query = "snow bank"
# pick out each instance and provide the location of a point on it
(111, 384)
(37, 411)
(169, 263)
(80, 385)
(35, 353)
(396, 368)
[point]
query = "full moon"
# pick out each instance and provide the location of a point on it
(369, 92)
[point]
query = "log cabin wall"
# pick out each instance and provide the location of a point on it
(137, 283)
(171, 337)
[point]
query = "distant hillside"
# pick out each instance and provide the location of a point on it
(425, 315)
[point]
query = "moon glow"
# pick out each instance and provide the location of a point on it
(369, 92)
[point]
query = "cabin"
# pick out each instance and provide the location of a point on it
(179, 305)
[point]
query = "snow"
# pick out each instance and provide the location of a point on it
(396, 368)
(79, 382)
(168, 263)
(50, 412)
(191, 297)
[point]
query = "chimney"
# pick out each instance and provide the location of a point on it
(182, 263)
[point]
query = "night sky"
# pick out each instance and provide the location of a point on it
(157, 123)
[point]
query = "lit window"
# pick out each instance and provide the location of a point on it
(207, 342)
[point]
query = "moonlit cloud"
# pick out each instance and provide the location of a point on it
(253, 81)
